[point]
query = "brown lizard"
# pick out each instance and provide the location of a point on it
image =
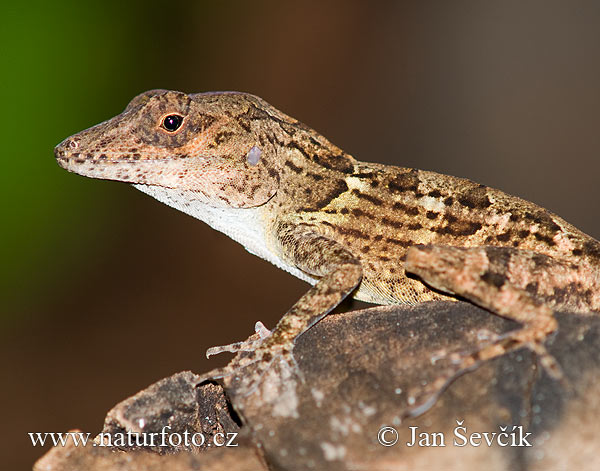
(349, 228)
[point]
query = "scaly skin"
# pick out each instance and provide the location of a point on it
(348, 227)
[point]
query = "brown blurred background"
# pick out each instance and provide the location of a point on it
(106, 290)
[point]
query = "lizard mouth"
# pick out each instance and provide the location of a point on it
(69, 156)
(94, 168)
(98, 165)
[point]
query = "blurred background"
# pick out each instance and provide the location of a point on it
(105, 290)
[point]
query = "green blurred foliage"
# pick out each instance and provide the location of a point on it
(54, 55)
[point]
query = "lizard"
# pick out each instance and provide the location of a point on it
(381, 234)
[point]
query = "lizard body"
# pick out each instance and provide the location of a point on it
(348, 227)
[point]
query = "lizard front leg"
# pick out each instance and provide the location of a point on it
(339, 273)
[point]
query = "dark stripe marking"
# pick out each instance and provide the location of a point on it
(372, 199)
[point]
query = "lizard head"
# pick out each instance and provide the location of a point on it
(219, 148)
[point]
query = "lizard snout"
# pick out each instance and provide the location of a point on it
(69, 144)
(61, 151)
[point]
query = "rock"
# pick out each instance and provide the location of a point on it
(72, 458)
(173, 406)
(375, 368)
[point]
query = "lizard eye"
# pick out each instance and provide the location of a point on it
(172, 122)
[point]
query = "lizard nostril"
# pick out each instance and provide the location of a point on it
(73, 143)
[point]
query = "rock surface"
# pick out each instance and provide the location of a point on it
(365, 370)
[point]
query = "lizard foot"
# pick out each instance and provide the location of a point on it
(523, 338)
(262, 362)
(269, 367)
(466, 361)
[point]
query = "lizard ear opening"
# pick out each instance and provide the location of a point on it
(253, 155)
